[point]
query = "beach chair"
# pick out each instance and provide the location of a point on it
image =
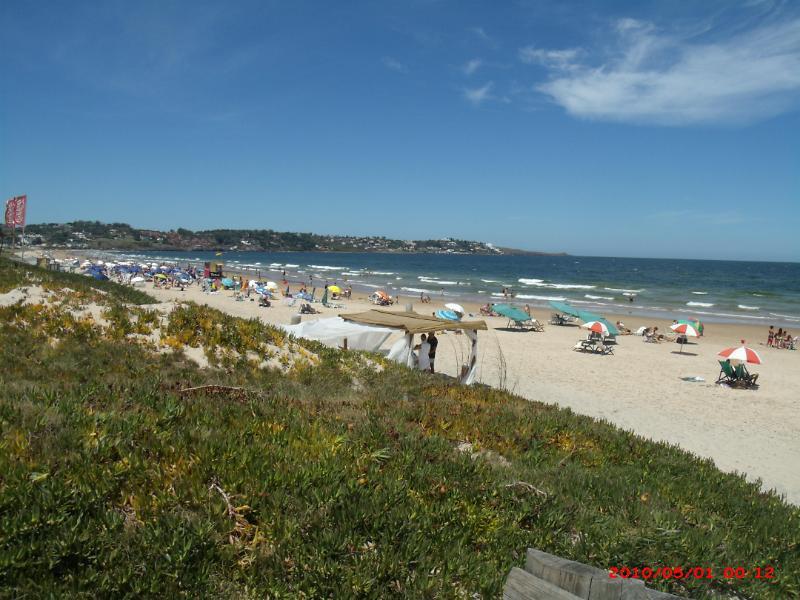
(536, 325)
(557, 319)
(744, 378)
(726, 373)
(650, 337)
(603, 348)
(586, 345)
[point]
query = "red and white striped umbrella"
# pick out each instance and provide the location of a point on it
(742, 353)
(685, 328)
(596, 326)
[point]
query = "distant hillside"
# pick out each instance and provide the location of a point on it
(121, 236)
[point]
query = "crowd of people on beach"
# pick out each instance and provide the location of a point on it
(781, 339)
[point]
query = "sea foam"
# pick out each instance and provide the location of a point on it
(701, 304)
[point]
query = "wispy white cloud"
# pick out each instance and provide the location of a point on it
(556, 59)
(471, 66)
(480, 32)
(479, 95)
(394, 64)
(655, 77)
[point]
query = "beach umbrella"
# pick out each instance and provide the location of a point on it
(448, 315)
(382, 294)
(271, 285)
(742, 353)
(696, 323)
(455, 307)
(334, 289)
(511, 312)
(596, 326)
(687, 329)
(160, 276)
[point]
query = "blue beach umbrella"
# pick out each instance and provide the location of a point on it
(448, 315)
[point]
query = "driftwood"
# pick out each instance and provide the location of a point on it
(528, 487)
(231, 393)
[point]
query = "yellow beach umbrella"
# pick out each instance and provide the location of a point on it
(334, 289)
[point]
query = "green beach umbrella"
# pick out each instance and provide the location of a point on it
(512, 312)
(694, 323)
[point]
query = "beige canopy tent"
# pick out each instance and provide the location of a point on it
(414, 323)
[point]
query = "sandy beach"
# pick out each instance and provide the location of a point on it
(639, 388)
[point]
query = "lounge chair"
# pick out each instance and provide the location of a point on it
(603, 348)
(535, 325)
(558, 319)
(307, 309)
(585, 346)
(744, 377)
(737, 377)
(726, 373)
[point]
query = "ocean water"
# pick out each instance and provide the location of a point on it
(716, 291)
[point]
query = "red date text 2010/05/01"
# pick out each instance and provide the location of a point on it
(649, 573)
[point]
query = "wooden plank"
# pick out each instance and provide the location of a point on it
(656, 595)
(605, 588)
(569, 575)
(521, 585)
(583, 581)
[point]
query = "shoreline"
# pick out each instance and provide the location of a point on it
(635, 310)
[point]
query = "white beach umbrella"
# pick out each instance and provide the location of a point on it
(455, 307)
(596, 326)
(271, 285)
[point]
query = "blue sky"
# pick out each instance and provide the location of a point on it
(667, 129)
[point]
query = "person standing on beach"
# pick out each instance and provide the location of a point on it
(771, 336)
(423, 358)
(432, 342)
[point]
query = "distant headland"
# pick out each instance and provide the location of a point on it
(121, 236)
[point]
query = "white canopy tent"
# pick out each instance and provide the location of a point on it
(334, 332)
(412, 323)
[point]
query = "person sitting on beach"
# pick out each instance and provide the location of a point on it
(622, 329)
(486, 310)
(778, 341)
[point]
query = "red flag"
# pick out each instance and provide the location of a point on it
(21, 203)
(11, 212)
